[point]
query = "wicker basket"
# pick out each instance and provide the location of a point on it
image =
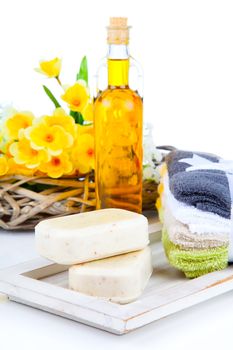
(24, 201)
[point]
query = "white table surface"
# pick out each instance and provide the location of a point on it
(208, 325)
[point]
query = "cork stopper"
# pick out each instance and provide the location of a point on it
(118, 31)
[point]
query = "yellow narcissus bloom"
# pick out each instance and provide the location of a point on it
(54, 138)
(24, 154)
(76, 96)
(50, 68)
(85, 129)
(19, 169)
(4, 167)
(1, 142)
(6, 147)
(17, 121)
(83, 153)
(88, 112)
(158, 203)
(57, 166)
(160, 188)
(163, 169)
(60, 117)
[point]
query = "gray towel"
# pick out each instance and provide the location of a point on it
(207, 190)
(175, 164)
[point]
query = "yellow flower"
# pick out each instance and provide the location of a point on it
(17, 121)
(158, 203)
(83, 153)
(160, 188)
(57, 166)
(24, 154)
(51, 138)
(60, 117)
(5, 148)
(19, 169)
(76, 96)
(1, 142)
(163, 169)
(4, 167)
(85, 129)
(88, 112)
(50, 68)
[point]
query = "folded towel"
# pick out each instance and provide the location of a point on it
(194, 262)
(176, 160)
(195, 205)
(180, 235)
(205, 189)
(197, 221)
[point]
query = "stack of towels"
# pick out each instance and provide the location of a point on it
(195, 206)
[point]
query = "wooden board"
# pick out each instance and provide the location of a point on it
(43, 285)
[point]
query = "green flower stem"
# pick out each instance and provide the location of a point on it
(58, 80)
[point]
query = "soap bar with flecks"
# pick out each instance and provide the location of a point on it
(120, 279)
(91, 236)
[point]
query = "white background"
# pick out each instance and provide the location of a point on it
(186, 49)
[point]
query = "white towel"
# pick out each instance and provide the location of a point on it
(179, 234)
(198, 221)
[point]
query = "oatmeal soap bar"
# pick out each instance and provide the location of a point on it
(120, 279)
(91, 236)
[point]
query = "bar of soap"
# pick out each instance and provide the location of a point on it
(91, 236)
(120, 279)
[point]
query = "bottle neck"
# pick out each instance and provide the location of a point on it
(118, 66)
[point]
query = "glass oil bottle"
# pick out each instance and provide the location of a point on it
(118, 124)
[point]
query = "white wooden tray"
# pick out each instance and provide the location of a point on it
(43, 285)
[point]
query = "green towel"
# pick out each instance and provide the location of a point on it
(195, 262)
